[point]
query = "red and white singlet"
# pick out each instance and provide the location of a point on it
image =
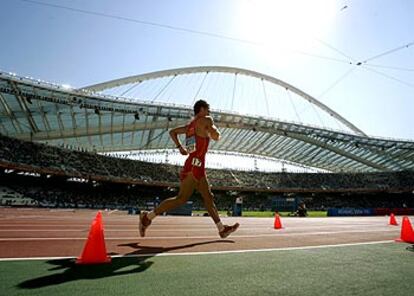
(197, 148)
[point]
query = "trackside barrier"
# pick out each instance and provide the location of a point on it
(369, 211)
(395, 211)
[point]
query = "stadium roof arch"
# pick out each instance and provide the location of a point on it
(88, 118)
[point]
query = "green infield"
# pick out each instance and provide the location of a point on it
(266, 214)
(376, 269)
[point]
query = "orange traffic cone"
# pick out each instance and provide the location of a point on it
(393, 221)
(95, 251)
(278, 223)
(407, 233)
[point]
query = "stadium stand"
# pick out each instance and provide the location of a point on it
(55, 176)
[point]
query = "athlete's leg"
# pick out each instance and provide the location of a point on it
(208, 198)
(187, 187)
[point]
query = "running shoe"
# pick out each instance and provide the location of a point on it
(228, 230)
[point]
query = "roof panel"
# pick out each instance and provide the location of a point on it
(122, 125)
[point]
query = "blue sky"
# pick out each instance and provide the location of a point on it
(70, 47)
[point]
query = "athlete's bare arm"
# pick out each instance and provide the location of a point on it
(212, 129)
(174, 136)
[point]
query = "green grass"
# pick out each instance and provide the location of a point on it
(257, 214)
(383, 269)
(267, 214)
(201, 213)
(317, 213)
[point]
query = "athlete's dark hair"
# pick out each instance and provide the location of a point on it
(199, 104)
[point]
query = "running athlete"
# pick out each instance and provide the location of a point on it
(193, 176)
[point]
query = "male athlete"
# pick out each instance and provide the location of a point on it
(193, 176)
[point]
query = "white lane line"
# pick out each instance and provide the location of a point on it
(186, 226)
(275, 234)
(214, 252)
(209, 229)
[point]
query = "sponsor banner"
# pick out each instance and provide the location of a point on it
(350, 212)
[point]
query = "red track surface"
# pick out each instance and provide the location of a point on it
(48, 233)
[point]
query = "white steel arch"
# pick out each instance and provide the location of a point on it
(220, 69)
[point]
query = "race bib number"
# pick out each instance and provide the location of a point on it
(196, 162)
(190, 144)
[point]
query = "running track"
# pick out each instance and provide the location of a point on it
(28, 233)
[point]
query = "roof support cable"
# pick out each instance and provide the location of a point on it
(266, 99)
(388, 52)
(163, 89)
(389, 77)
(317, 114)
(199, 89)
(129, 89)
(234, 91)
(293, 105)
(389, 67)
(150, 140)
(336, 82)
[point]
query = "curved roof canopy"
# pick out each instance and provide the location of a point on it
(40, 111)
(137, 79)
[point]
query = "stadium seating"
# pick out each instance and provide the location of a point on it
(55, 162)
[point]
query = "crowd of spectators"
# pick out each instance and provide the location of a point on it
(320, 181)
(46, 159)
(67, 193)
(61, 192)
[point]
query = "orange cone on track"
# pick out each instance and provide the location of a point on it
(407, 233)
(278, 223)
(94, 251)
(393, 221)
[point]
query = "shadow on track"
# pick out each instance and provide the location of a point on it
(153, 250)
(136, 260)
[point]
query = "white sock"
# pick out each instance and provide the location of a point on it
(151, 215)
(220, 226)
